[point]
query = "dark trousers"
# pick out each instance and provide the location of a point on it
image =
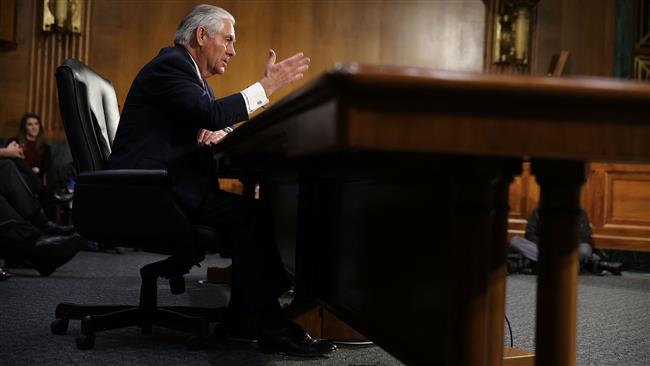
(529, 249)
(33, 181)
(258, 275)
(17, 191)
(17, 203)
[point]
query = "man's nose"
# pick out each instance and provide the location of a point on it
(231, 51)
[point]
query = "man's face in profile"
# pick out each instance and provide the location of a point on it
(219, 48)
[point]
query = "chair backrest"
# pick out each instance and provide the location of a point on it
(120, 207)
(90, 114)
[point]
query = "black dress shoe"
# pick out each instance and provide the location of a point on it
(52, 228)
(294, 341)
(51, 252)
(4, 275)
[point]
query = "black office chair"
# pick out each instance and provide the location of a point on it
(132, 208)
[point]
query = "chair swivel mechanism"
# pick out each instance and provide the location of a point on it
(130, 208)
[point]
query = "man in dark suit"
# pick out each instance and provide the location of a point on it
(169, 116)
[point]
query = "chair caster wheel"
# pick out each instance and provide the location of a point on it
(59, 326)
(86, 341)
(196, 343)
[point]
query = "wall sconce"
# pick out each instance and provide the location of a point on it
(512, 33)
(62, 16)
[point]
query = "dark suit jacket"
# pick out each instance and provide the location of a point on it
(164, 111)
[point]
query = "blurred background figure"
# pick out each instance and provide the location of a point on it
(37, 153)
(524, 251)
(34, 163)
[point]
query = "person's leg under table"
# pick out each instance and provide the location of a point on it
(258, 275)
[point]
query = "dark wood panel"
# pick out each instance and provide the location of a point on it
(441, 34)
(585, 28)
(621, 205)
(15, 72)
(7, 23)
(28, 70)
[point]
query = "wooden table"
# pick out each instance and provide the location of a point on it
(400, 178)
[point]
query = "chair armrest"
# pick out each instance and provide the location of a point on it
(130, 208)
(125, 176)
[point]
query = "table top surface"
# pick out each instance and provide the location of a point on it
(387, 108)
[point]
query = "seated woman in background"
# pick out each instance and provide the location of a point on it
(34, 161)
(37, 152)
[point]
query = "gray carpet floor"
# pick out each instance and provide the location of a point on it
(613, 318)
(613, 326)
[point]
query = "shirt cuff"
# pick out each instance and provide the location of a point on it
(255, 97)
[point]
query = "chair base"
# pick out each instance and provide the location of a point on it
(99, 318)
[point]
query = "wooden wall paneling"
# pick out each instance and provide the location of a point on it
(439, 34)
(14, 72)
(28, 71)
(592, 46)
(48, 51)
(7, 23)
(586, 28)
(127, 34)
(411, 33)
(516, 221)
(592, 193)
(254, 30)
(621, 219)
(516, 196)
(285, 28)
(548, 39)
(523, 197)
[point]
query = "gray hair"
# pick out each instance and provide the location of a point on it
(209, 16)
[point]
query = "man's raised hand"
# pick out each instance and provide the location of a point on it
(283, 73)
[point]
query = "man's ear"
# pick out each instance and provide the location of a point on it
(201, 34)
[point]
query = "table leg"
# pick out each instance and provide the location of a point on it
(496, 291)
(557, 269)
(474, 231)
